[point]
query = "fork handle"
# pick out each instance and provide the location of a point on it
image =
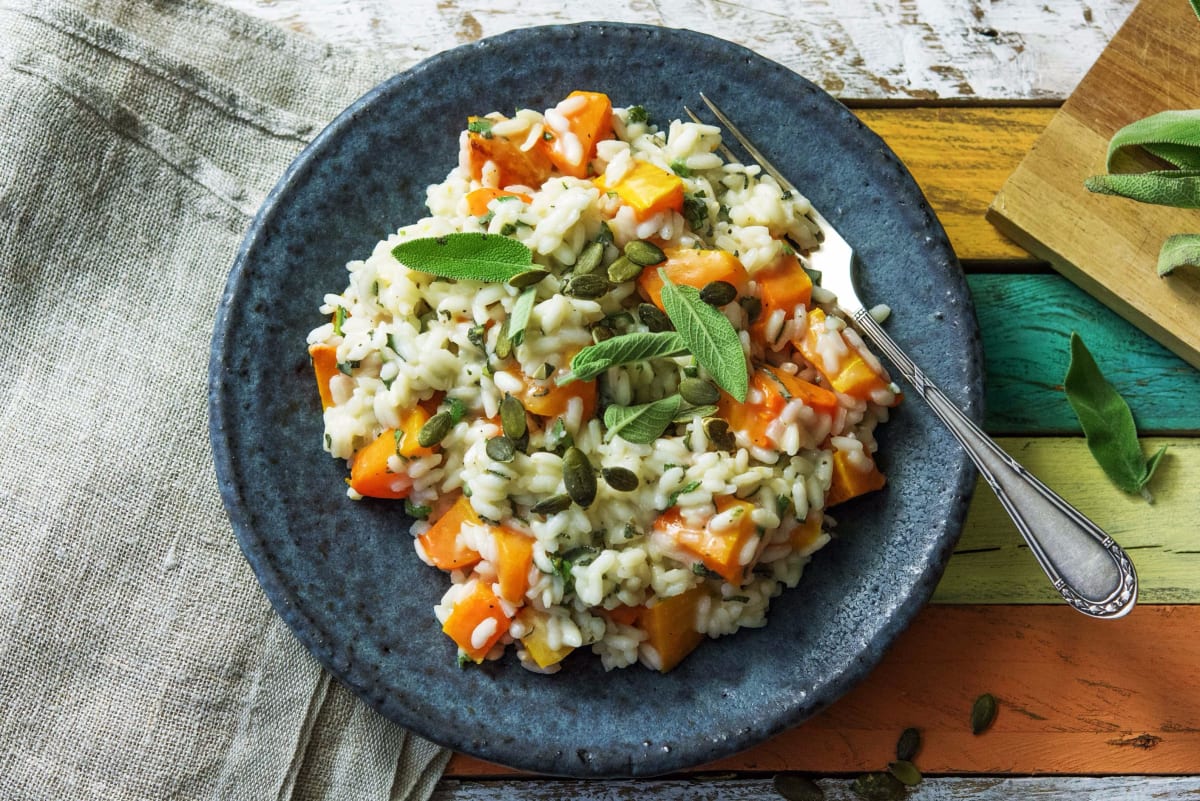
(1090, 571)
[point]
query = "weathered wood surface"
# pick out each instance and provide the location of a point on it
(1106, 244)
(1026, 323)
(1076, 696)
(992, 564)
(892, 50)
(735, 788)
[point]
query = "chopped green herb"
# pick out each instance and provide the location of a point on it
(636, 114)
(740, 599)
(464, 661)
(348, 367)
(418, 512)
(701, 569)
(480, 125)
(339, 317)
(680, 168)
(695, 211)
(684, 490)
(456, 409)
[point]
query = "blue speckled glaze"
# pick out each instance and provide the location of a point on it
(343, 574)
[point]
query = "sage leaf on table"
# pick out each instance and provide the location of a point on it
(1107, 422)
(641, 424)
(1181, 250)
(709, 336)
(466, 256)
(625, 349)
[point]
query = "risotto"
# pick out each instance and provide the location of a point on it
(600, 382)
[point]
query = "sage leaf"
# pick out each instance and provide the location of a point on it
(625, 349)
(1181, 250)
(1173, 136)
(709, 336)
(1179, 188)
(520, 315)
(641, 424)
(466, 256)
(1107, 422)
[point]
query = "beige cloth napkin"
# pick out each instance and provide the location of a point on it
(138, 656)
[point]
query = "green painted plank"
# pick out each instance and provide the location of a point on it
(1026, 322)
(992, 564)
(737, 788)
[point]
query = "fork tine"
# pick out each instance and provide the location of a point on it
(746, 143)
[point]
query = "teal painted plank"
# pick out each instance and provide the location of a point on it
(1026, 322)
(966, 788)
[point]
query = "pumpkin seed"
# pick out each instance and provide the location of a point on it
(512, 417)
(588, 287)
(527, 278)
(475, 335)
(544, 372)
(579, 477)
(552, 505)
(503, 343)
(795, 787)
(909, 745)
(751, 307)
(602, 332)
(718, 433)
(983, 713)
(623, 269)
(878, 787)
(718, 293)
(589, 258)
(654, 318)
(501, 449)
(698, 392)
(906, 772)
(620, 478)
(435, 429)
(643, 253)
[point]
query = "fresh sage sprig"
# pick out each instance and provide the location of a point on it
(1173, 137)
(709, 336)
(466, 256)
(641, 424)
(625, 349)
(1107, 422)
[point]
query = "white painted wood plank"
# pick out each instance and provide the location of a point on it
(895, 50)
(1043, 788)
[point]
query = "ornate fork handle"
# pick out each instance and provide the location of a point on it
(1090, 571)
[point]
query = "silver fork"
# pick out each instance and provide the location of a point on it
(1090, 571)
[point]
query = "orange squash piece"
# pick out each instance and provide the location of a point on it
(694, 268)
(324, 361)
(852, 375)
(537, 644)
(589, 123)
(549, 400)
(478, 199)
(647, 189)
(514, 556)
(848, 481)
(480, 605)
(441, 543)
(782, 285)
(720, 551)
(369, 473)
(806, 533)
(774, 389)
(524, 167)
(670, 626)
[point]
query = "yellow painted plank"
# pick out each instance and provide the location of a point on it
(992, 564)
(961, 157)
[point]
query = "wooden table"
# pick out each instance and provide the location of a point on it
(960, 90)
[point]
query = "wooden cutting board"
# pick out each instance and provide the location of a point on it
(1109, 245)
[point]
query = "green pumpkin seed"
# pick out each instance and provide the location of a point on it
(643, 253)
(621, 479)
(588, 287)
(476, 335)
(751, 307)
(435, 429)
(527, 278)
(623, 269)
(909, 745)
(878, 787)
(552, 505)
(579, 477)
(718, 293)
(501, 449)
(589, 258)
(602, 332)
(718, 433)
(906, 772)
(544, 372)
(698, 392)
(983, 713)
(512, 417)
(503, 343)
(795, 787)
(654, 318)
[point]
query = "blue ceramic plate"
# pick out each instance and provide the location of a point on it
(344, 575)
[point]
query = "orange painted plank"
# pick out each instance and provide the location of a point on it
(1077, 696)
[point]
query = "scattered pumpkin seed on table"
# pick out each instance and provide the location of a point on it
(983, 713)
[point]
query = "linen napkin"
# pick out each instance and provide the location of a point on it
(138, 656)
